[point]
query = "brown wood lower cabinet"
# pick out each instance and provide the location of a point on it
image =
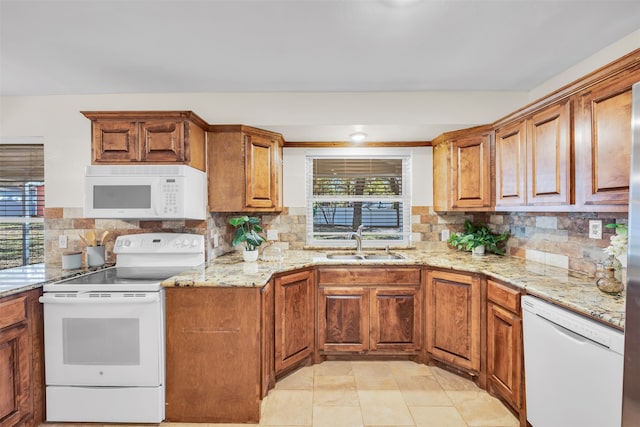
(214, 354)
(226, 345)
(343, 319)
(294, 326)
(453, 319)
(21, 367)
(362, 310)
(395, 322)
(504, 345)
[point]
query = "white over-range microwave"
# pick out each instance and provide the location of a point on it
(145, 192)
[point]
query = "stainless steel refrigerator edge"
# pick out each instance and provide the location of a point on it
(631, 388)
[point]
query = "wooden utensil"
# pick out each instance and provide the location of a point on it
(91, 237)
(103, 237)
(86, 242)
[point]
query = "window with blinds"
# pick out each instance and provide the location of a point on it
(346, 192)
(21, 204)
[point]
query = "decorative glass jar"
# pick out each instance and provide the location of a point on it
(608, 282)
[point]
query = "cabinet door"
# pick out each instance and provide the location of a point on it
(343, 319)
(453, 318)
(606, 142)
(16, 394)
(396, 318)
(294, 327)
(115, 141)
(549, 157)
(510, 165)
(504, 353)
(470, 163)
(162, 141)
(261, 164)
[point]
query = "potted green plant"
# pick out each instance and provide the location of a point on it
(478, 238)
(248, 232)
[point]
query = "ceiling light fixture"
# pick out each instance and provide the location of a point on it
(358, 136)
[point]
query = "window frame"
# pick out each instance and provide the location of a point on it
(27, 219)
(359, 153)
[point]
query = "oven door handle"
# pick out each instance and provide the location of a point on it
(82, 298)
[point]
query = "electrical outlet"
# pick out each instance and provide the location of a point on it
(444, 236)
(272, 234)
(216, 240)
(62, 242)
(595, 229)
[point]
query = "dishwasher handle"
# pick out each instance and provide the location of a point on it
(101, 298)
(569, 333)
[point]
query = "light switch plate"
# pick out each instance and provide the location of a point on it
(272, 234)
(595, 229)
(62, 242)
(444, 235)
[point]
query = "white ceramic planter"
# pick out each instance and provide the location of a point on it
(250, 256)
(478, 250)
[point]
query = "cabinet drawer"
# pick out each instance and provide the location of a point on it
(12, 311)
(504, 296)
(368, 276)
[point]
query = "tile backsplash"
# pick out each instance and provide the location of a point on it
(559, 239)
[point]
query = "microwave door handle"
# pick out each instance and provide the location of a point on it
(158, 198)
(147, 298)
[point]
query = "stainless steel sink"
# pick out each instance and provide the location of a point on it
(345, 257)
(383, 257)
(364, 257)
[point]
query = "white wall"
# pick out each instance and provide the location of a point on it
(600, 59)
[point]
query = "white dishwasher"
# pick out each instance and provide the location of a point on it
(573, 368)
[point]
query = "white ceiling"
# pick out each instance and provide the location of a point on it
(160, 46)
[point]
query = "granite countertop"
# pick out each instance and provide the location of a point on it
(20, 279)
(575, 291)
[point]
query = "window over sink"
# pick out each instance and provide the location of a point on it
(352, 188)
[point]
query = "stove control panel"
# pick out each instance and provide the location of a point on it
(154, 243)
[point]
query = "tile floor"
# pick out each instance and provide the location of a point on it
(372, 394)
(389, 394)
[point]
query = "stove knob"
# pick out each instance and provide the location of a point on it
(194, 243)
(126, 243)
(177, 242)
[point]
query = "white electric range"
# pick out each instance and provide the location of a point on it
(105, 332)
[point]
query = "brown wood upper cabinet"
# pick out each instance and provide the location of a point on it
(453, 318)
(294, 325)
(124, 137)
(244, 169)
(363, 310)
(533, 159)
(21, 371)
(462, 170)
(605, 151)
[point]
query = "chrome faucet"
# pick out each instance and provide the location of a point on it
(358, 236)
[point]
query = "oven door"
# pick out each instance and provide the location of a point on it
(104, 338)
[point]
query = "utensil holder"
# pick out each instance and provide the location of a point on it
(95, 256)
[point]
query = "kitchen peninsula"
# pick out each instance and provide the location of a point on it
(228, 321)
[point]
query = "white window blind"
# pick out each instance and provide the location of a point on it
(21, 204)
(348, 191)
